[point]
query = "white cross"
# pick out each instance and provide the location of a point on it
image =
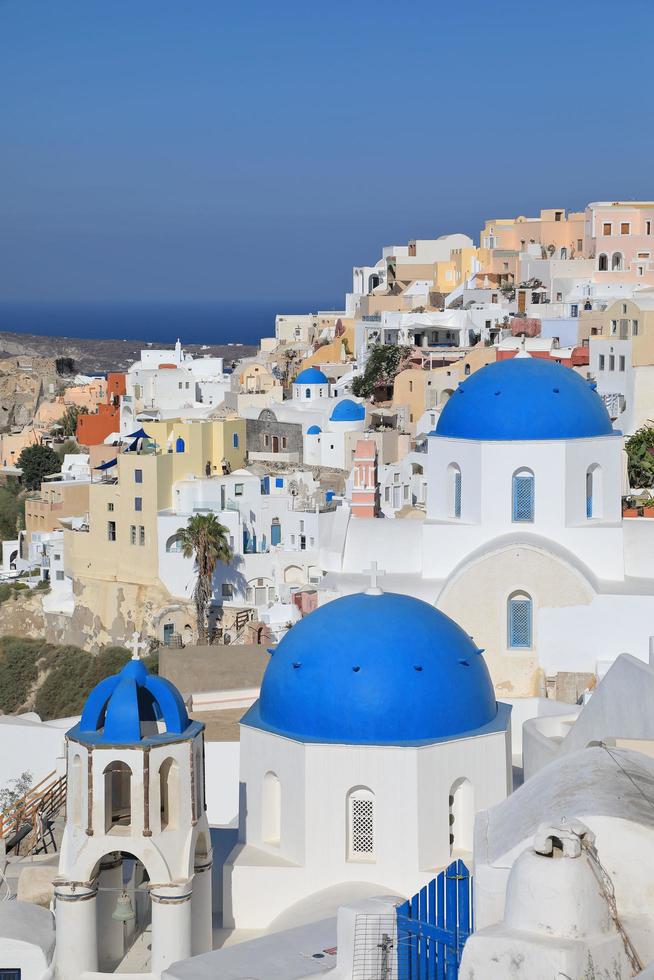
(137, 644)
(374, 574)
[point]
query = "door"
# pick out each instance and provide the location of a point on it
(275, 444)
(168, 630)
(522, 300)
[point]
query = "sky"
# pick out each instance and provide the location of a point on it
(202, 150)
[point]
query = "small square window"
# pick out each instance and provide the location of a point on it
(625, 228)
(601, 362)
(227, 590)
(138, 503)
(279, 481)
(606, 229)
(138, 476)
(111, 530)
(634, 328)
(238, 489)
(621, 362)
(60, 575)
(132, 534)
(611, 362)
(110, 506)
(141, 535)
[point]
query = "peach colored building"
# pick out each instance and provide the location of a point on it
(56, 499)
(619, 236)
(555, 229)
(365, 485)
(93, 429)
(13, 443)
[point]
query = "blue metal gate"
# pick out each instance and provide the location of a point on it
(432, 927)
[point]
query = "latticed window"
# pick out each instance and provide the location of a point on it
(519, 621)
(457, 493)
(361, 806)
(523, 496)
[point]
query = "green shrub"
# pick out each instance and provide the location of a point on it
(18, 670)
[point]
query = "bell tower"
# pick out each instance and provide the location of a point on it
(136, 851)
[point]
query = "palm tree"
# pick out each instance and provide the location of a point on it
(206, 539)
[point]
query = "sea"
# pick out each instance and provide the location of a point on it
(194, 323)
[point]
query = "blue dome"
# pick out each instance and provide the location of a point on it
(124, 709)
(348, 411)
(375, 669)
(524, 399)
(314, 430)
(311, 376)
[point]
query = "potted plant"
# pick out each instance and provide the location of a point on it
(629, 508)
(648, 507)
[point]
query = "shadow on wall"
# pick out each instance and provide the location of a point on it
(223, 841)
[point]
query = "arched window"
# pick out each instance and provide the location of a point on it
(307, 392)
(235, 440)
(75, 791)
(117, 796)
(462, 816)
(271, 809)
(519, 621)
(174, 545)
(466, 370)
(594, 491)
(361, 824)
(603, 262)
(564, 253)
(275, 531)
(445, 395)
(199, 781)
(522, 507)
(179, 445)
(169, 794)
(454, 490)
(617, 262)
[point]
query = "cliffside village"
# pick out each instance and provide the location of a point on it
(431, 628)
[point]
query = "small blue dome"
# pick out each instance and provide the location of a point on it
(524, 399)
(375, 669)
(314, 430)
(348, 411)
(124, 709)
(311, 376)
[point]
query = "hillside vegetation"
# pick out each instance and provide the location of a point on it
(54, 680)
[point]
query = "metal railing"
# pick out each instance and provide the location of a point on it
(23, 821)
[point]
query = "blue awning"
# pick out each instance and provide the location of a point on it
(139, 434)
(105, 466)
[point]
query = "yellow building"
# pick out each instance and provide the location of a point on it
(120, 544)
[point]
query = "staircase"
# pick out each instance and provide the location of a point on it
(29, 823)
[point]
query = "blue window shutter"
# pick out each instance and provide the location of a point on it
(235, 440)
(520, 623)
(457, 493)
(279, 481)
(523, 498)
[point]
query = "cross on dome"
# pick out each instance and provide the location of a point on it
(137, 644)
(374, 574)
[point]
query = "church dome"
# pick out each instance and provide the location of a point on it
(311, 376)
(125, 709)
(314, 430)
(375, 669)
(348, 411)
(522, 400)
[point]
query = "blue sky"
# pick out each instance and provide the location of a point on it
(204, 149)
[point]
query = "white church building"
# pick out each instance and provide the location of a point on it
(523, 541)
(375, 739)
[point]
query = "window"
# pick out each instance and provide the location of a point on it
(275, 532)
(625, 228)
(173, 545)
(111, 530)
(462, 816)
(603, 263)
(284, 442)
(611, 362)
(616, 262)
(519, 621)
(271, 809)
(624, 307)
(138, 503)
(10, 974)
(132, 534)
(574, 309)
(601, 362)
(454, 490)
(141, 535)
(621, 362)
(169, 794)
(279, 482)
(307, 392)
(110, 507)
(648, 227)
(559, 297)
(235, 440)
(138, 476)
(227, 590)
(60, 575)
(580, 244)
(361, 820)
(238, 489)
(523, 496)
(117, 796)
(266, 440)
(594, 491)
(614, 327)
(606, 228)
(634, 328)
